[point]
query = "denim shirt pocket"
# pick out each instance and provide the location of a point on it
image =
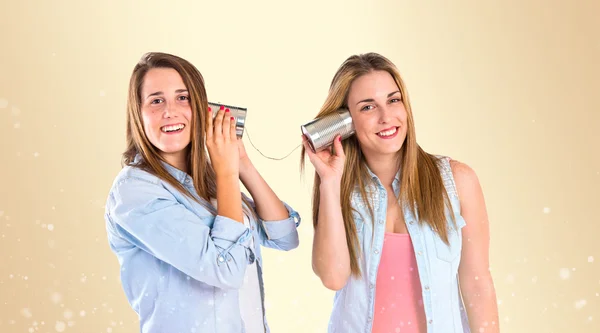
(450, 252)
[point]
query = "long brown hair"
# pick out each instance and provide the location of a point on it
(197, 159)
(422, 189)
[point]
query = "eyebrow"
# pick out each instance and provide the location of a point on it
(158, 93)
(372, 100)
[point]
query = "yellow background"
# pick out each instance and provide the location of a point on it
(510, 88)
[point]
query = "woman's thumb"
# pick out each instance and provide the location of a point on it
(338, 149)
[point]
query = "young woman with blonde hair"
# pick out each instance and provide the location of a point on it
(401, 235)
(186, 237)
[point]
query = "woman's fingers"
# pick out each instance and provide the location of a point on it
(209, 126)
(218, 123)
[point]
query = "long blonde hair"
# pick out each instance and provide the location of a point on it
(422, 189)
(197, 159)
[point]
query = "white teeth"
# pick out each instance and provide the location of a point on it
(172, 128)
(388, 132)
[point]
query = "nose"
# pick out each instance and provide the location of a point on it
(384, 114)
(168, 110)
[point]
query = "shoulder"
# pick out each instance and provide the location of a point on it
(137, 193)
(135, 173)
(466, 180)
(463, 173)
(132, 180)
(463, 176)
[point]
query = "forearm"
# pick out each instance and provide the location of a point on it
(481, 305)
(229, 198)
(331, 260)
(268, 206)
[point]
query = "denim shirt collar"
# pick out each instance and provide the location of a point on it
(377, 181)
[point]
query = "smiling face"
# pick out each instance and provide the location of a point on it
(378, 114)
(166, 113)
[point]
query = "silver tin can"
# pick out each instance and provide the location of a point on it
(238, 113)
(321, 132)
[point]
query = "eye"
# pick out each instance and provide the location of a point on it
(156, 101)
(395, 100)
(184, 98)
(366, 108)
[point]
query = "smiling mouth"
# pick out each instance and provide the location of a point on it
(172, 128)
(388, 133)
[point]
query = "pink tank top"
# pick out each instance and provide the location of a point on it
(398, 298)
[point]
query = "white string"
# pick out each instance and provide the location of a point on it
(271, 158)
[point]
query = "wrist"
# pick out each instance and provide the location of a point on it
(245, 165)
(329, 183)
(225, 178)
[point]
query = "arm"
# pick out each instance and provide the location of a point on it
(279, 234)
(266, 203)
(229, 200)
(476, 282)
(330, 256)
(148, 216)
(221, 142)
(277, 220)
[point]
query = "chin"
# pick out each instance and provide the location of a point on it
(390, 148)
(389, 152)
(172, 149)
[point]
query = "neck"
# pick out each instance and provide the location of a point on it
(385, 167)
(177, 160)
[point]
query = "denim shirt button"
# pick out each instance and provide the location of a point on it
(376, 251)
(411, 222)
(221, 259)
(430, 321)
(380, 221)
(371, 286)
(426, 287)
(420, 253)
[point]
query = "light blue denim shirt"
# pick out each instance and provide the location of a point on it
(437, 263)
(182, 266)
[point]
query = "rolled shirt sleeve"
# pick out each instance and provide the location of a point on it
(280, 234)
